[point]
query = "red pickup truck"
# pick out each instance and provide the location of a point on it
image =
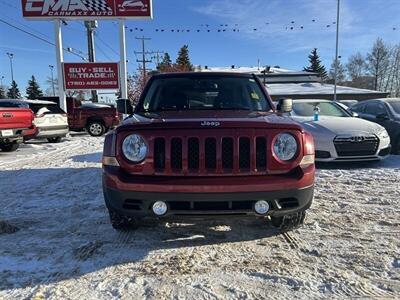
(15, 122)
(209, 145)
(97, 119)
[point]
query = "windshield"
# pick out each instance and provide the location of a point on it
(395, 106)
(306, 109)
(204, 93)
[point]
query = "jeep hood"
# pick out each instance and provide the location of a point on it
(208, 119)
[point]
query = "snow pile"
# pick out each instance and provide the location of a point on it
(66, 248)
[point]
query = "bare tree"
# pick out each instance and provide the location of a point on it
(341, 72)
(49, 90)
(136, 84)
(356, 66)
(378, 63)
(392, 82)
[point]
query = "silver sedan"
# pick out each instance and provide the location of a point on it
(338, 135)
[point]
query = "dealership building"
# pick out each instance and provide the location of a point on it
(283, 83)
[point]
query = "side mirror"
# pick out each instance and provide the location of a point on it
(382, 117)
(285, 105)
(355, 115)
(124, 106)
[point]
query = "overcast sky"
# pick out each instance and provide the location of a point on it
(286, 31)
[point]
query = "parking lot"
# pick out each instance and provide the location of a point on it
(66, 248)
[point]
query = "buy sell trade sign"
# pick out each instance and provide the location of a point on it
(91, 76)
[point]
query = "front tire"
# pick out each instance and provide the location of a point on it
(96, 128)
(54, 140)
(289, 222)
(121, 222)
(9, 147)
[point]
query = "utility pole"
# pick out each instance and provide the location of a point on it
(337, 50)
(143, 53)
(158, 55)
(90, 27)
(1, 81)
(52, 80)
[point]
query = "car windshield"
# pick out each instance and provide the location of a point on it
(306, 109)
(396, 106)
(204, 93)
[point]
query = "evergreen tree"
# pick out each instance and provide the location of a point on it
(315, 65)
(13, 91)
(33, 90)
(166, 63)
(183, 60)
(2, 93)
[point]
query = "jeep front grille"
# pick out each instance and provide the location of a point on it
(205, 155)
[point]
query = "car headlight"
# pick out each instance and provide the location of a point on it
(134, 148)
(383, 134)
(285, 146)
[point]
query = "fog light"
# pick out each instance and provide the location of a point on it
(160, 208)
(261, 207)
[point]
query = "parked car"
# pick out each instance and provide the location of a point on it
(207, 144)
(338, 135)
(348, 103)
(385, 112)
(50, 119)
(346, 107)
(15, 120)
(97, 119)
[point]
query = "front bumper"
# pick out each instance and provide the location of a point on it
(138, 204)
(326, 152)
(135, 196)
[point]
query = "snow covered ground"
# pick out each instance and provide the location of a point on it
(65, 247)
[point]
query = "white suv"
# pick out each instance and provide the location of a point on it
(50, 119)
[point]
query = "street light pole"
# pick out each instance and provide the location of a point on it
(52, 80)
(1, 81)
(337, 50)
(11, 57)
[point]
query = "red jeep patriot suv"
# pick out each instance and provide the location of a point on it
(207, 144)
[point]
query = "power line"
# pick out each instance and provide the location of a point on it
(40, 38)
(31, 34)
(157, 56)
(104, 53)
(105, 44)
(30, 28)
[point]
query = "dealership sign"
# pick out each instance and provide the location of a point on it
(91, 76)
(87, 9)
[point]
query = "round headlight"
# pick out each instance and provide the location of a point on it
(285, 146)
(134, 148)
